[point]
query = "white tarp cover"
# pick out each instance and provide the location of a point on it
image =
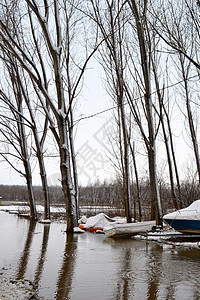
(192, 212)
(100, 221)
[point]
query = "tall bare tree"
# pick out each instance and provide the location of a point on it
(48, 30)
(139, 13)
(111, 28)
(13, 129)
(185, 71)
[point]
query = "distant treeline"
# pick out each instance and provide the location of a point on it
(106, 194)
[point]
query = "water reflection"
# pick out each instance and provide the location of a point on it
(171, 276)
(25, 256)
(67, 269)
(132, 276)
(41, 260)
(91, 266)
(26, 251)
(154, 272)
(123, 286)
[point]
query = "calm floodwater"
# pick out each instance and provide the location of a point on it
(91, 266)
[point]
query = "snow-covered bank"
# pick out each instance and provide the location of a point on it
(25, 208)
(16, 289)
(168, 237)
(57, 213)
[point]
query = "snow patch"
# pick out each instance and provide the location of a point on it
(16, 289)
(45, 221)
(78, 230)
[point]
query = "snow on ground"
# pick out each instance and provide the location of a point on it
(39, 208)
(15, 289)
(164, 238)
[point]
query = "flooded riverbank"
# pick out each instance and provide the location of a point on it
(91, 266)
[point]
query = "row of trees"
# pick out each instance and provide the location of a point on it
(141, 45)
(105, 197)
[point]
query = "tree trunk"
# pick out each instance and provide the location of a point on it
(137, 181)
(160, 98)
(45, 188)
(74, 166)
(25, 156)
(27, 168)
(156, 210)
(174, 158)
(39, 143)
(126, 181)
(66, 179)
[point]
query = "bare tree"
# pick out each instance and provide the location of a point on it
(13, 129)
(175, 19)
(185, 71)
(139, 14)
(49, 33)
(111, 25)
(132, 148)
(181, 33)
(160, 96)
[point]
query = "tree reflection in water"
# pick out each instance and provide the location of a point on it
(94, 267)
(39, 269)
(67, 269)
(26, 252)
(123, 289)
(23, 262)
(154, 273)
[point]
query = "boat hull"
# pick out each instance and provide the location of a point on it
(128, 229)
(184, 226)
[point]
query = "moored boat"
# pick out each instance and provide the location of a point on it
(128, 229)
(186, 220)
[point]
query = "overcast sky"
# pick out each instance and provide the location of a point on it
(92, 143)
(90, 137)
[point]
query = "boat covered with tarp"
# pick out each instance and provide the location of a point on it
(186, 220)
(98, 222)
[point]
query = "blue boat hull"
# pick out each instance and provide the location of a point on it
(185, 226)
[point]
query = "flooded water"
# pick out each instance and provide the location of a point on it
(91, 266)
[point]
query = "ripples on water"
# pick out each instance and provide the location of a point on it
(91, 266)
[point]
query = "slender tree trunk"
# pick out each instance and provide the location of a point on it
(73, 155)
(160, 98)
(66, 179)
(190, 117)
(39, 143)
(120, 142)
(137, 181)
(156, 210)
(127, 196)
(174, 158)
(173, 192)
(27, 167)
(45, 188)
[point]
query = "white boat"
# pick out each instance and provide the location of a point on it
(186, 220)
(128, 229)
